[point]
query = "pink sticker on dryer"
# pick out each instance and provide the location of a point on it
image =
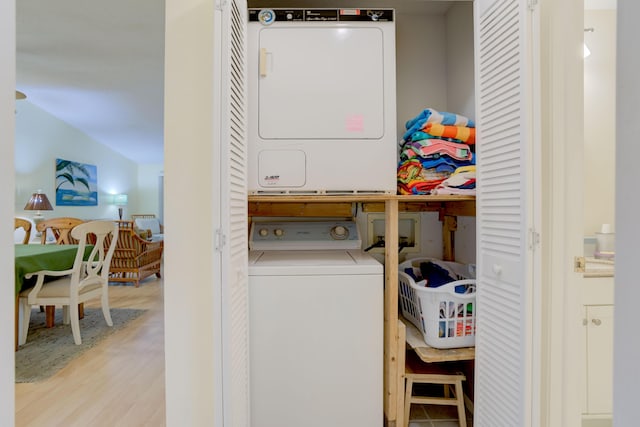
(355, 123)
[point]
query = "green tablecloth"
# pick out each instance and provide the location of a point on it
(32, 258)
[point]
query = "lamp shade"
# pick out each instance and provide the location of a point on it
(120, 199)
(38, 202)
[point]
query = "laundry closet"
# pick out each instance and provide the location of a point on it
(434, 68)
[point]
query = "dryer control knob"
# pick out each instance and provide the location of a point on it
(263, 232)
(339, 232)
(266, 16)
(278, 232)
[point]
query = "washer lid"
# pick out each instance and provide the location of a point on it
(312, 263)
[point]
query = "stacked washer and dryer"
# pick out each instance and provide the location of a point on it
(321, 121)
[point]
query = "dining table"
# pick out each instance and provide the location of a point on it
(30, 258)
(33, 258)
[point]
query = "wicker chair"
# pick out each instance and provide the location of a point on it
(135, 258)
(145, 223)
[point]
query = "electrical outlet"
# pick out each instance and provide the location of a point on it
(408, 232)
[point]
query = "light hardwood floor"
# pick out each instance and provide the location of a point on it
(120, 382)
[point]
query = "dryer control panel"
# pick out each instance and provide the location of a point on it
(268, 16)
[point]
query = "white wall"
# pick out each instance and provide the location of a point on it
(459, 43)
(626, 375)
(599, 120)
(7, 293)
(41, 138)
(190, 351)
(432, 50)
(148, 195)
(419, 59)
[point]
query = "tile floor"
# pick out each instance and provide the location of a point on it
(435, 416)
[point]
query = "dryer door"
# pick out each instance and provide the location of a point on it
(321, 82)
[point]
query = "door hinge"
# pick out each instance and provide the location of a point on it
(579, 264)
(220, 240)
(221, 4)
(534, 239)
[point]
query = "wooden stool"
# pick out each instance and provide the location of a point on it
(418, 372)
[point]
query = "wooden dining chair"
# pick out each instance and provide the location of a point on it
(25, 224)
(60, 228)
(86, 280)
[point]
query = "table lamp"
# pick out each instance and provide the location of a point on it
(38, 202)
(120, 200)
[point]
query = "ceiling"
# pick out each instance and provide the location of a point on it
(98, 66)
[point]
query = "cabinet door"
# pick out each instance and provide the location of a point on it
(507, 186)
(599, 359)
(231, 239)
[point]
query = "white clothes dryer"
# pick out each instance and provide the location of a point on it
(315, 327)
(322, 101)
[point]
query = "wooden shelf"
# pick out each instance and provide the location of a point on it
(341, 205)
(355, 197)
(429, 354)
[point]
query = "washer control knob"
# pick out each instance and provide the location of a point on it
(263, 232)
(339, 232)
(278, 232)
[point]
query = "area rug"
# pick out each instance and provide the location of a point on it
(48, 350)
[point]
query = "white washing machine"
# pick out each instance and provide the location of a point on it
(315, 326)
(322, 101)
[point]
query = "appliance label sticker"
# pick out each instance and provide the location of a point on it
(355, 123)
(271, 179)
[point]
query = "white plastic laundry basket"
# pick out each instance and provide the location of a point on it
(445, 315)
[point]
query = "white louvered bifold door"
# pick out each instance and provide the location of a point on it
(505, 112)
(233, 237)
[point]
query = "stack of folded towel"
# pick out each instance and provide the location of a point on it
(435, 145)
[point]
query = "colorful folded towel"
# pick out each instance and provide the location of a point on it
(461, 176)
(461, 182)
(420, 135)
(433, 148)
(418, 187)
(446, 163)
(414, 179)
(429, 115)
(461, 133)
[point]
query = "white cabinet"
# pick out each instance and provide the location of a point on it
(598, 339)
(599, 360)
